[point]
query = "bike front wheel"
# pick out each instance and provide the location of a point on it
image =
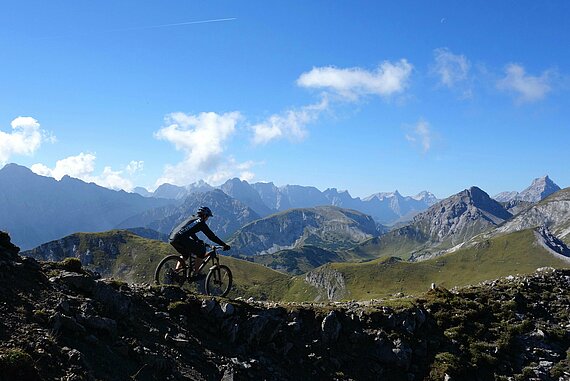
(219, 281)
(172, 270)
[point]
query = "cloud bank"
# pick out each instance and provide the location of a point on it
(25, 139)
(202, 139)
(82, 167)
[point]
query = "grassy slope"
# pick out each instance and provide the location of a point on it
(138, 258)
(388, 245)
(510, 254)
(299, 260)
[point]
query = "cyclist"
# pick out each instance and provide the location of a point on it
(183, 238)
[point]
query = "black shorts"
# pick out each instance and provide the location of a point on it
(187, 246)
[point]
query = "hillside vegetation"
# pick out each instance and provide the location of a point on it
(516, 253)
(123, 255)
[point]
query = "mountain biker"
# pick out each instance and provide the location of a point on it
(183, 238)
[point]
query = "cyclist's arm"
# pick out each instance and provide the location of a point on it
(210, 234)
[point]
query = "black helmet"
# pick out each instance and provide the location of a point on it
(204, 211)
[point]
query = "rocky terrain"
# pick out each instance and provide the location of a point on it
(59, 322)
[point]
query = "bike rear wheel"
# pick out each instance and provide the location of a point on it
(219, 281)
(166, 272)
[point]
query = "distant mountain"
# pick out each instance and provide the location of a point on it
(142, 191)
(229, 214)
(36, 209)
(461, 216)
(552, 212)
(506, 196)
(448, 223)
(170, 191)
(265, 198)
(326, 227)
(385, 208)
(391, 207)
(241, 190)
(540, 188)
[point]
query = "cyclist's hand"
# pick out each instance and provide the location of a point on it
(226, 247)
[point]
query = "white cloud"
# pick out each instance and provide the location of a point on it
(202, 139)
(82, 167)
(451, 68)
(421, 135)
(528, 88)
(25, 139)
(290, 125)
(352, 83)
(135, 166)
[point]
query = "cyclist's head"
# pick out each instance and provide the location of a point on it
(204, 211)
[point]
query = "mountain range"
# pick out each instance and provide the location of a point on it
(37, 209)
(265, 198)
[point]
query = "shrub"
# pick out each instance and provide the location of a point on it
(15, 364)
(71, 264)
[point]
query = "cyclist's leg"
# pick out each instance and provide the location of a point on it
(182, 248)
(199, 250)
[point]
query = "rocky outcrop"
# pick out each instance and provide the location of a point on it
(552, 243)
(329, 282)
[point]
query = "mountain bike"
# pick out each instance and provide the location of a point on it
(174, 270)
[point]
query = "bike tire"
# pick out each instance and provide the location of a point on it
(167, 274)
(219, 281)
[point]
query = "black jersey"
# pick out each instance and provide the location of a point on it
(188, 229)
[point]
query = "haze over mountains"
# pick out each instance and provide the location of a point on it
(265, 198)
(36, 209)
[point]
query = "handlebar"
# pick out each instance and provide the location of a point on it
(215, 247)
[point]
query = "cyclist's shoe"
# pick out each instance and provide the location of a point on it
(173, 277)
(197, 277)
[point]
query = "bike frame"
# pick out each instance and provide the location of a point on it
(212, 255)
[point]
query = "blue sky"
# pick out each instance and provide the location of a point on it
(367, 96)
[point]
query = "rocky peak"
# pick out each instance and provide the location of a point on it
(540, 188)
(427, 197)
(461, 216)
